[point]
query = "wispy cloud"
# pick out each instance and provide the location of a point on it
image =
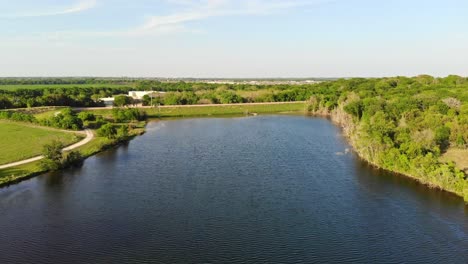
(205, 9)
(185, 11)
(79, 6)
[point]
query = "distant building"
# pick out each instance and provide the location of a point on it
(135, 95)
(138, 95)
(108, 101)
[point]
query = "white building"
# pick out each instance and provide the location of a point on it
(138, 94)
(108, 101)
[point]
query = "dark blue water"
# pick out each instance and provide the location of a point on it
(267, 189)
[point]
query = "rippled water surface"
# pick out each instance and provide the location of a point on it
(266, 189)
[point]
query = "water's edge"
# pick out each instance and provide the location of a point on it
(338, 119)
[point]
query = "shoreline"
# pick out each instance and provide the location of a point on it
(339, 121)
(334, 118)
(27, 171)
(6, 181)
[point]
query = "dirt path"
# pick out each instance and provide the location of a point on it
(89, 137)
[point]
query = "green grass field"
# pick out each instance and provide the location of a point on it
(11, 174)
(20, 141)
(47, 114)
(43, 86)
(24, 171)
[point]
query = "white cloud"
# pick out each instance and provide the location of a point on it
(186, 11)
(200, 10)
(80, 6)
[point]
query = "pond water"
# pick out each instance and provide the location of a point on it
(264, 189)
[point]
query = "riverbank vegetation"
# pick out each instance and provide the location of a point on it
(54, 159)
(119, 128)
(404, 125)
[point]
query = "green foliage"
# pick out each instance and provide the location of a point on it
(108, 131)
(146, 100)
(122, 132)
(73, 159)
(54, 159)
(17, 116)
(229, 97)
(52, 156)
(122, 100)
(354, 108)
(402, 124)
(66, 119)
(86, 116)
(406, 124)
(127, 115)
(442, 136)
(111, 131)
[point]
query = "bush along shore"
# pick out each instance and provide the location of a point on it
(124, 125)
(371, 141)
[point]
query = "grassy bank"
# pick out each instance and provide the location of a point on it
(26, 171)
(96, 145)
(219, 110)
(22, 141)
(213, 110)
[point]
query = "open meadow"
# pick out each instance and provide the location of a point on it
(21, 141)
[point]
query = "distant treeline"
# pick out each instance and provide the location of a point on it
(182, 93)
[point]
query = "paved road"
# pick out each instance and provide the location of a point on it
(89, 137)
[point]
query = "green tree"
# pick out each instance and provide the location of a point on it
(108, 131)
(122, 100)
(122, 132)
(53, 156)
(86, 116)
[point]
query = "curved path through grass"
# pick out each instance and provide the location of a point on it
(89, 137)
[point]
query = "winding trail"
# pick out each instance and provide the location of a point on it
(89, 137)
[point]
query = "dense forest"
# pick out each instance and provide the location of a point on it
(403, 124)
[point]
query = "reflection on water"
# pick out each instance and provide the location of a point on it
(265, 189)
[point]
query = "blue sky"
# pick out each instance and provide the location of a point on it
(233, 38)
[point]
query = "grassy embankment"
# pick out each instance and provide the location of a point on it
(215, 110)
(20, 137)
(20, 141)
(22, 172)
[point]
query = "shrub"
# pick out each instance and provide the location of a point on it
(86, 116)
(108, 131)
(73, 159)
(52, 156)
